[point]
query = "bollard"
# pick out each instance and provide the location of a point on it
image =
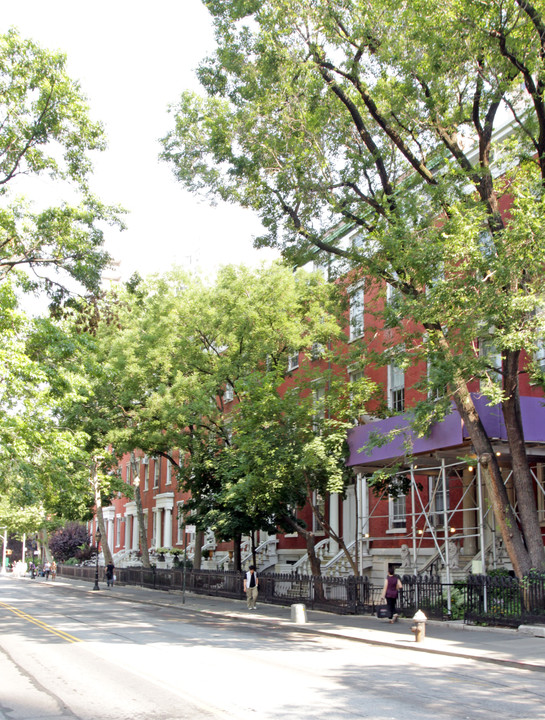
(299, 613)
(419, 627)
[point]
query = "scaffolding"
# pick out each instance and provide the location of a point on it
(423, 515)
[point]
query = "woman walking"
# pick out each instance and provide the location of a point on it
(390, 591)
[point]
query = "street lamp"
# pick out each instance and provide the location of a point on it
(97, 537)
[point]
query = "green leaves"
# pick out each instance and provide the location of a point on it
(46, 130)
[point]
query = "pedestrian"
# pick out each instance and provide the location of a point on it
(110, 574)
(390, 591)
(32, 569)
(251, 584)
(53, 570)
(47, 569)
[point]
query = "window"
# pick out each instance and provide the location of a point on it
(169, 472)
(392, 293)
(396, 388)
(156, 472)
(228, 393)
(397, 512)
(293, 361)
(435, 390)
(317, 351)
(355, 376)
(493, 358)
(128, 473)
(318, 398)
(146, 472)
(356, 312)
(437, 507)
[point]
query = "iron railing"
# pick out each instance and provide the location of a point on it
(489, 600)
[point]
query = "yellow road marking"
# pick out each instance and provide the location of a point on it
(40, 623)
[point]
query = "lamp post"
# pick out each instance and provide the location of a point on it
(97, 536)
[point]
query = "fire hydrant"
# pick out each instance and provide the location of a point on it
(419, 627)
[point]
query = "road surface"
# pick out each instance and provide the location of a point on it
(69, 654)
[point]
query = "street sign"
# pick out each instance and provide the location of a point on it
(190, 528)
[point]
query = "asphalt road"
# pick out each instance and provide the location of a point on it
(69, 654)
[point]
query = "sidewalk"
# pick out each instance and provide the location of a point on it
(514, 648)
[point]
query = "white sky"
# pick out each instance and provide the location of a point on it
(133, 59)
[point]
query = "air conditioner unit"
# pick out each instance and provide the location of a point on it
(145, 460)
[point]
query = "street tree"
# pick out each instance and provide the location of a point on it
(43, 466)
(407, 142)
(182, 350)
(289, 450)
(46, 131)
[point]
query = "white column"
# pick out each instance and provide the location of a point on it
(334, 521)
(111, 534)
(135, 532)
(127, 530)
(167, 528)
(155, 539)
(349, 515)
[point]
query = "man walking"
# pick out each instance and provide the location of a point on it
(251, 583)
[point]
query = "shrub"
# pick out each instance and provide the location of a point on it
(71, 541)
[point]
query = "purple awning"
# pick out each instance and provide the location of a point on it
(449, 433)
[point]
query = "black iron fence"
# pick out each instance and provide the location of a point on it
(505, 600)
(478, 599)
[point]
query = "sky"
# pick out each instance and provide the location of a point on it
(133, 59)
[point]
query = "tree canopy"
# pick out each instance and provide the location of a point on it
(46, 130)
(407, 141)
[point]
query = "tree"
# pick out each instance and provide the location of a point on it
(372, 132)
(289, 449)
(180, 348)
(46, 130)
(70, 541)
(43, 465)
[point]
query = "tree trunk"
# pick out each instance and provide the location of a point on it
(142, 533)
(254, 556)
(199, 542)
(310, 542)
(338, 539)
(497, 493)
(44, 539)
(100, 516)
(522, 477)
(238, 554)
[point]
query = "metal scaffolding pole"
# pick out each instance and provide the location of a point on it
(446, 534)
(481, 528)
(413, 515)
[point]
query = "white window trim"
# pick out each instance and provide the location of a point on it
(156, 471)
(293, 361)
(394, 385)
(356, 330)
(228, 393)
(146, 473)
(487, 349)
(392, 501)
